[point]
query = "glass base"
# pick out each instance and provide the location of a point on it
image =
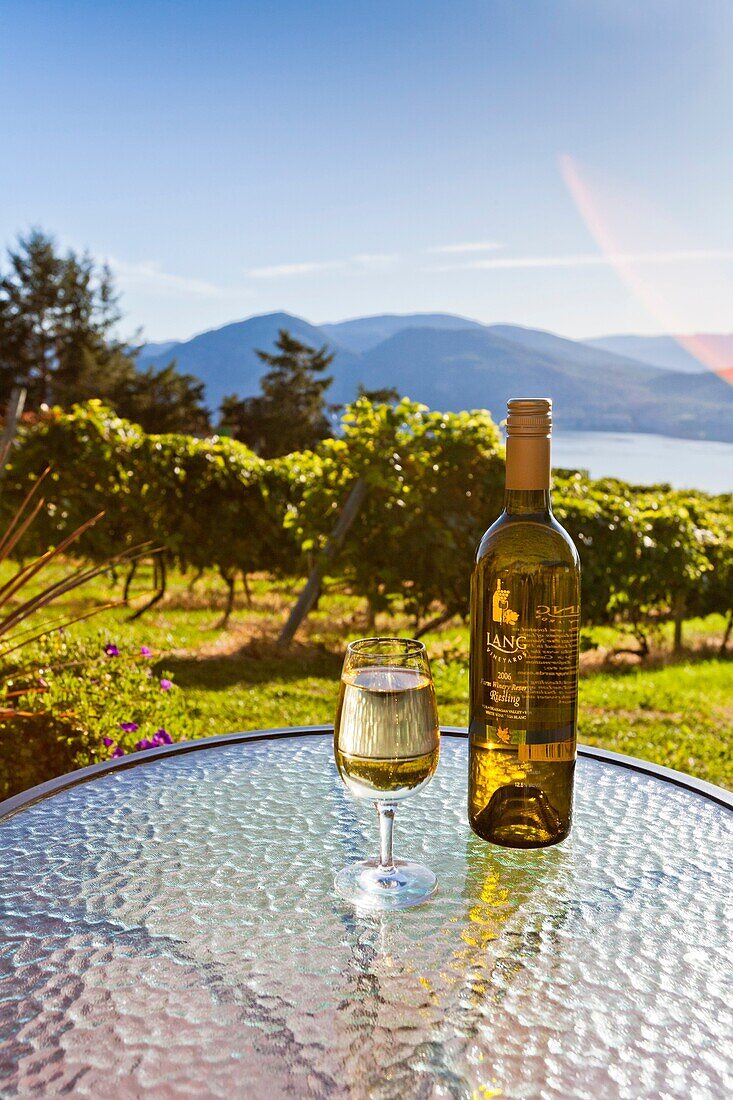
(364, 885)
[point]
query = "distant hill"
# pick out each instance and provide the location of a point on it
(477, 369)
(574, 353)
(151, 351)
(452, 363)
(363, 333)
(666, 352)
(709, 415)
(225, 359)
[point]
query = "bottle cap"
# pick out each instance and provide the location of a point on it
(529, 416)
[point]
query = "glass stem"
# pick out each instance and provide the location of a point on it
(386, 825)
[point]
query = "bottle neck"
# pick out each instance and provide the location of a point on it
(527, 475)
(525, 502)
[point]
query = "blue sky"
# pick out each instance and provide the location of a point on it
(338, 159)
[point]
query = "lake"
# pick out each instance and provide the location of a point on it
(645, 459)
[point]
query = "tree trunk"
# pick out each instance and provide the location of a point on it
(247, 589)
(435, 624)
(195, 578)
(679, 618)
(728, 630)
(308, 596)
(642, 639)
(160, 581)
(230, 581)
(128, 583)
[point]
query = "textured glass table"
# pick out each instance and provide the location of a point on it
(170, 928)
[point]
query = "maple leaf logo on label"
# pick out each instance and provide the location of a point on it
(503, 734)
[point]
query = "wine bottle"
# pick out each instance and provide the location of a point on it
(525, 614)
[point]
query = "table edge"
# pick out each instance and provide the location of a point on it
(21, 801)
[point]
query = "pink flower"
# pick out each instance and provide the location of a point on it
(145, 651)
(129, 727)
(117, 752)
(107, 741)
(166, 685)
(111, 650)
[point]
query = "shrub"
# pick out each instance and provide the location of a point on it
(39, 745)
(76, 702)
(649, 554)
(435, 482)
(207, 503)
(433, 479)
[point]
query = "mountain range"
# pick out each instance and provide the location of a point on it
(624, 383)
(671, 352)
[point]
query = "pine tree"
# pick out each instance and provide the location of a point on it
(58, 316)
(165, 401)
(290, 414)
(385, 395)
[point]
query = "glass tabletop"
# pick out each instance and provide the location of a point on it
(151, 942)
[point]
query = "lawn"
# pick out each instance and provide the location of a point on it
(674, 712)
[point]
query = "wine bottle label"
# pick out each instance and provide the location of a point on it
(529, 673)
(546, 752)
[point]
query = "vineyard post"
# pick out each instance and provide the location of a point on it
(13, 414)
(309, 595)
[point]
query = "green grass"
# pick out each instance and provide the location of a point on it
(679, 713)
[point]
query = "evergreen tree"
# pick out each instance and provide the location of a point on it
(57, 314)
(165, 401)
(385, 395)
(57, 339)
(290, 414)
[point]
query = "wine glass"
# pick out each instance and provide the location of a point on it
(386, 744)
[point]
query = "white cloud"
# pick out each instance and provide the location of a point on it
(469, 246)
(594, 259)
(147, 275)
(362, 260)
(374, 259)
(278, 271)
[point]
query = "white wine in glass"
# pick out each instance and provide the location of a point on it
(386, 744)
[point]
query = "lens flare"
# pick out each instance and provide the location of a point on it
(625, 226)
